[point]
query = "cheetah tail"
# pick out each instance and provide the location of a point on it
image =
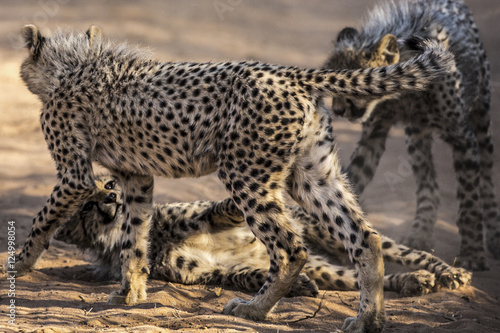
(431, 62)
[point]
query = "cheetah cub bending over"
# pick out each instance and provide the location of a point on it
(259, 126)
(456, 107)
(207, 242)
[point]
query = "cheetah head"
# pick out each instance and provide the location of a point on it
(351, 53)
(50, 59)
(96, 226)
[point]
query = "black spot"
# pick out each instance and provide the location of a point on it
(250, 221)
(254, 187)
(238, 185)
(339, 221)
(180, 262)
(353, 238)
(265, 227)
(386, 245)
(193, 264)
(136, 221)
(126, 245)
(358, 161)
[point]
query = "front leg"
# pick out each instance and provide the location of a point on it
(410, 284)
(184, 219)
(215, 214)
(470, 215)
(419, 144)
(326, 195)
(73, 187)
(225, 213)
(138, 194)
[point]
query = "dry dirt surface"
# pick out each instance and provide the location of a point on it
(60, 295)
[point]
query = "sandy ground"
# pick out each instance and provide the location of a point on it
(60, 296)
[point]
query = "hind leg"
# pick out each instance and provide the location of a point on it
(419, 143)
(316, 236)
(319, 187)
(447, 277)
(481, 123)
(75, 184)
(287, 257)
(138, 201)
(466, 163)
(452, 122)
(262, 203)
(333, 277)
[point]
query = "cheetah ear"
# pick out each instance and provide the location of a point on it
(33, 39)
(95, 35)
(347, 34)
(387, 49)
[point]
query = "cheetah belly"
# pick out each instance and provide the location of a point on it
(179, 164)
(225, 251)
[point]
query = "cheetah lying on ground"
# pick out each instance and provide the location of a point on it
(261, 127)
(456, 108)
(207, 242)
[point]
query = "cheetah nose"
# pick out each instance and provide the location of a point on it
(110, 198)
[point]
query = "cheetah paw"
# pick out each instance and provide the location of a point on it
(129, 297)
(303, 287)
(244, 309)
(21, 267)
(364, 323)
(417, 283)
(453, 278)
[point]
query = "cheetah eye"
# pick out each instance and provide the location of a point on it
(110, 185)
(88, 206)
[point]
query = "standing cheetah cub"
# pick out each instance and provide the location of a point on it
(207, 242)
(456, 107)
(259, 126)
